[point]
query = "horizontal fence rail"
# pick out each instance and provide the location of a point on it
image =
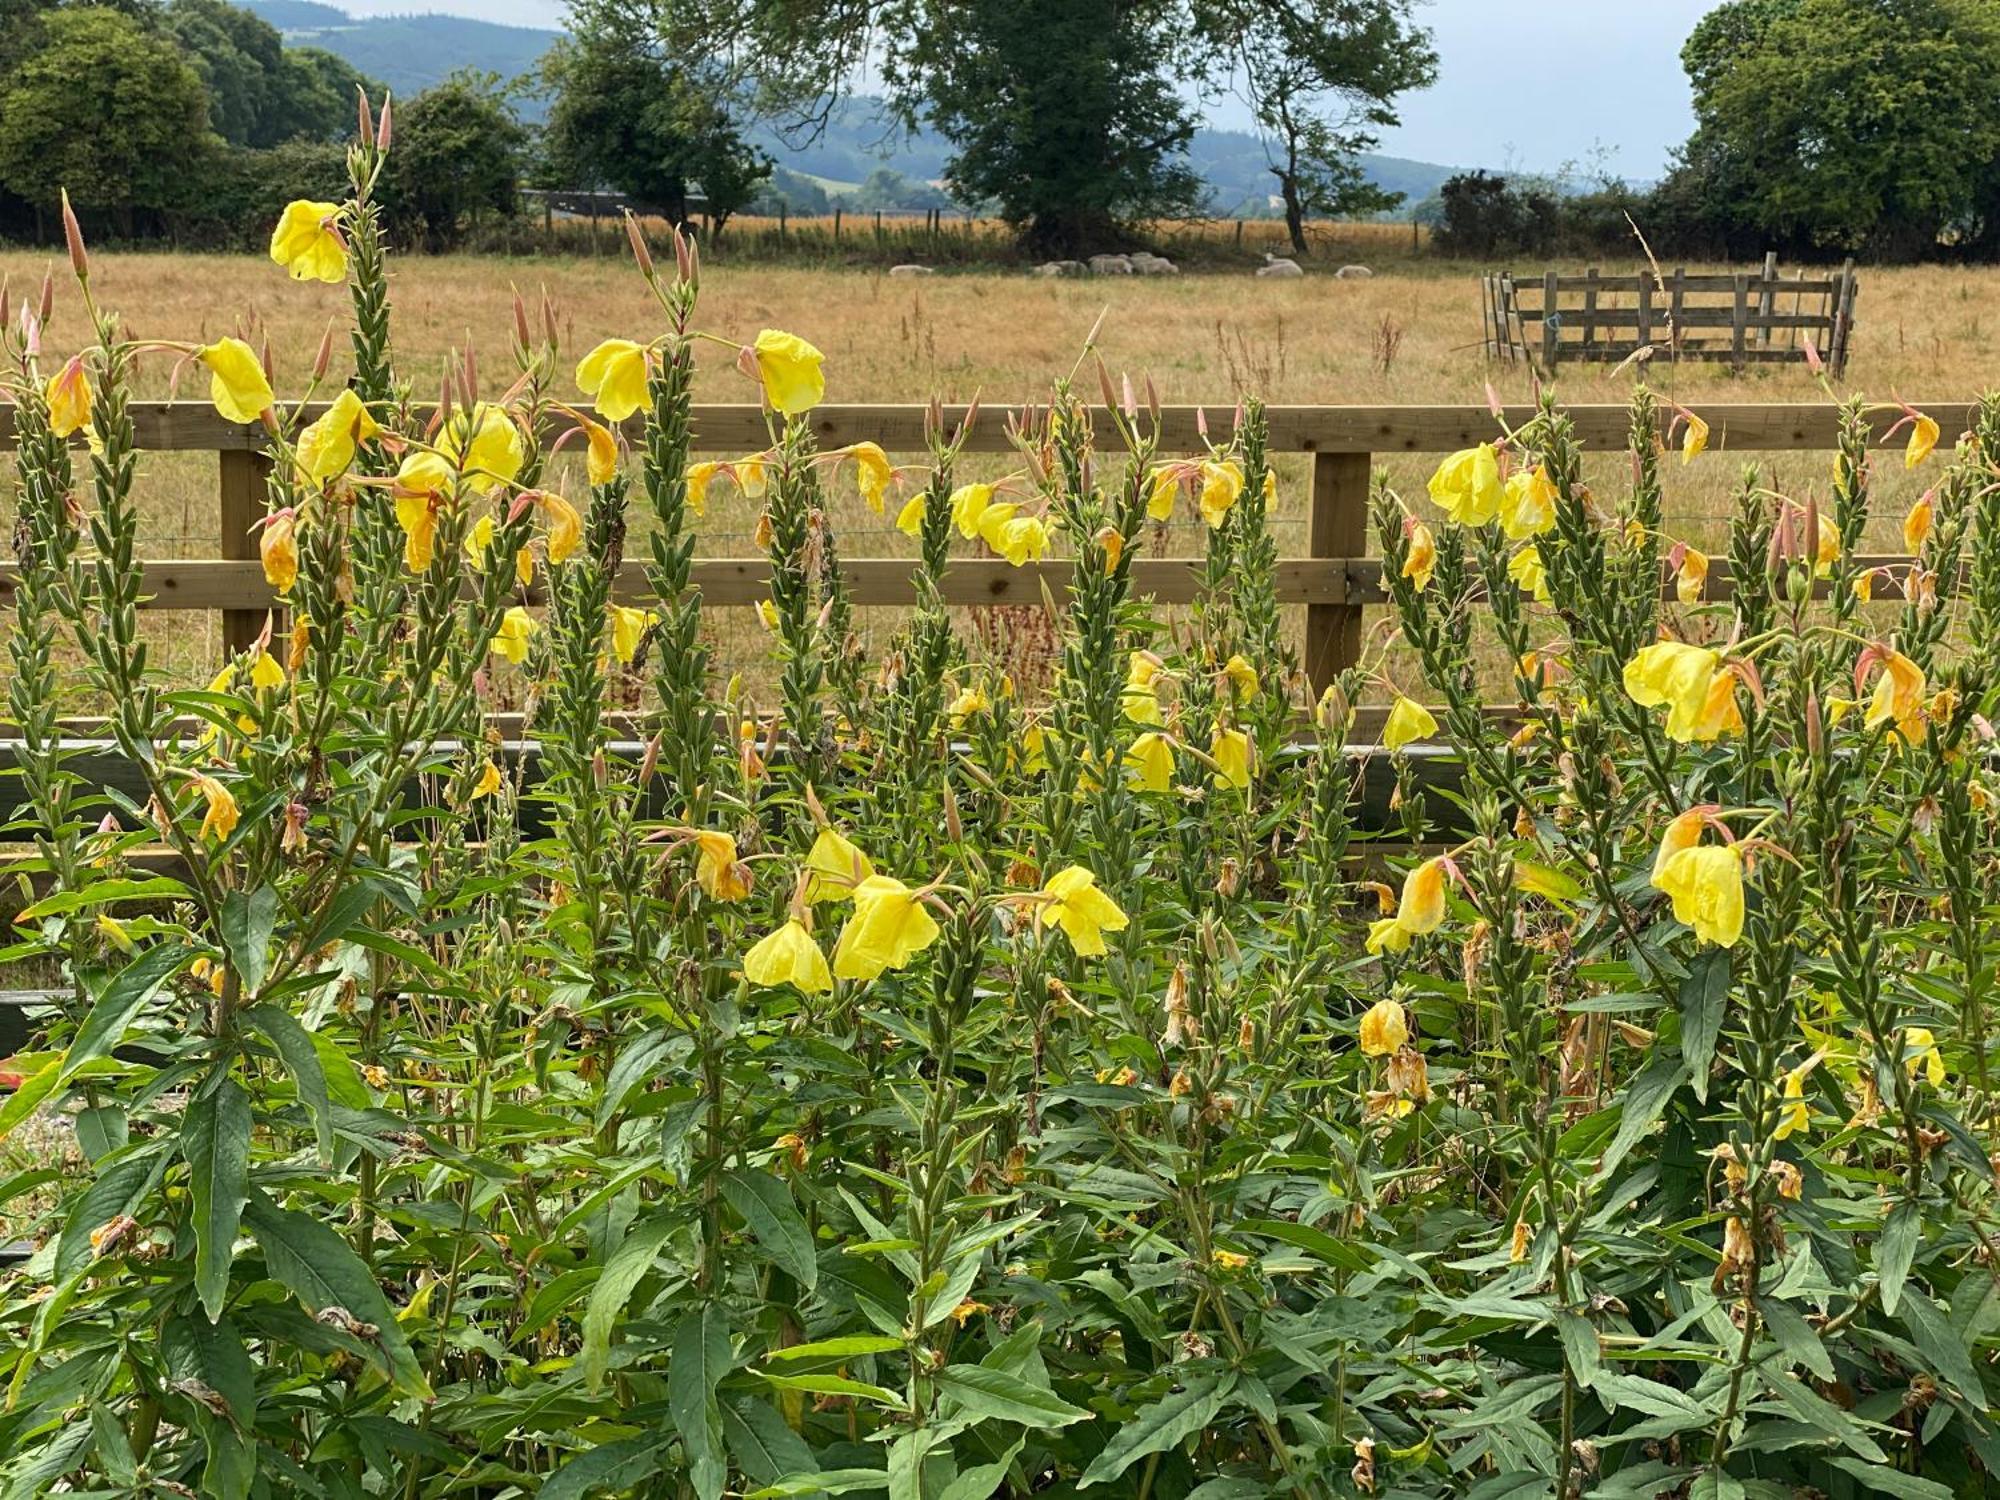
(1335, 579)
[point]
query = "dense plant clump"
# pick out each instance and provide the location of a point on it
(907, 1087)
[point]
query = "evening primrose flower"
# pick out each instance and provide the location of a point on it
(1421, 559)
(489, 782)
(1231, 751)
(237, 383)
(565, 527)
(968, 505)
(278, 549)
(970, 700)
(222, 814)
(491, 455)
(265, 673)
(1692, 576)
(1923, 438)
(835, 868)
(417, 514)
(1023, 540)
(1151, 758)
(600, 452)
(1241, 677)
(614, 376)
(1529, 506)
(628, 629)
(993, 520)
(699, 476)
(1706, 884)
(1081, 910)
(1917, 524)
(1793, 1113)
(1408, 720)
(1695, 440)
(307, 242)
(517, 628)
(789, 368)
(1164, 485)
(1920, 1051)
(1384, 1029)
(1466, 486)
(1422, 906)
(69, 398)
(1683, 832)
(1529, 575)
(1139, 699)
(910, 519)
(327, 445)
(789, 956)
(717, 869)
(873, 473)
(890, 926)
(1700, 691)
(1899, 695)
(1387, 935)
(1221, 488)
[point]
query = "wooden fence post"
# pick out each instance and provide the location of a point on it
(1551, 323)
(243, 476)
(1336, 526)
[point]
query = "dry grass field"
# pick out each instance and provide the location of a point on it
(1408, 335)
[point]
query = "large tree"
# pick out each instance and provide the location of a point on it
(459, 152)
(260, 92)
(1866, 126)
(648, 102)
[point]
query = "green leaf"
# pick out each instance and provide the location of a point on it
(980, 1482)
(1704, 1000)
(247, 920)
(766, 1206)
(1153, 1429)
(213, 1374)
(26, 1099)
(119, 1002)
(103, 893)
(1795, 1336)
(623, 1270)
(845, 1347)
(294, 1046)
(1942, 1344)
(994, 1395)
(635, 1064)
(1644, 1101)
(319, 1268)
(613, 1466)
(1816, 1411)
(764, 1448)
(701, 1358)
(1880, 1479)
(215, 1139)
(825, 1482)
(1895, 1250)
(833, 1385)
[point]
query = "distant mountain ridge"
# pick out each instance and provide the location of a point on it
(411, 52)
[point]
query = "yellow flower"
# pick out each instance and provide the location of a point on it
(835, 868)
(278, 547)
(1828, 551)
(967, 1310)
(1683, 832)
(69, 398)
(789, 956)
(1695, 439)
(1221, 488)
(717, 870)
(222, 816)
(417, 514)
(237, 383)
(1081, 910)
(307, 242)
(749, 474)
(1530, 504)
(1923, 438)
(1518, 1243)
(492, 455)
(1467, 487)
(1700, 692)
(1242, 678)
(1422, 906)
(1408, 720)
(1917, 524)
(993, 520)
(327, 445)
(1920, 1051)
(889, 928)
(1228, 1260)
(790, 370)
(1140, 697)
(1793, 1116)
(968, 505)
(970, 700)
(565, 527)
(1421, 560)
(1164, 486)
(1692, 577)
(910, 519)
(1706, 884)
(1151, 757)
(265, 673)
(517, 628)
(600, 454)
(1387, 935)
(614, 376)
(1023, 540)
(1898, 697)
(1034, 750)
(489, 783)
(1528, 574)
(1384, 1029)
(1230, 750)
(767, 612)
(628, 629)
(873, 473)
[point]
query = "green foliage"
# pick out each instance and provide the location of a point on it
(459, 153)
(260, 92)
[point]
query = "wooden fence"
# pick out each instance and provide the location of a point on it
(1335, 578)
(1731, 317)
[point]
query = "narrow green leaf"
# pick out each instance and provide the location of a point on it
(247, 920)
(1895, 1250)
(701, 1358)
(611, 1467)
(215, 1139)
(845, 1347)
(994, 1395)
(833, 1385)
(26, 1099)
(295, 1049)
(1165, 1424)
(1704, 1000)
(623, 1270)
(119, 1002)
(766, 1206)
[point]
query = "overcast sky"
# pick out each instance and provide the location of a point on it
(1532, 84)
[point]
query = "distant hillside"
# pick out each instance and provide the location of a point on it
(409, 53)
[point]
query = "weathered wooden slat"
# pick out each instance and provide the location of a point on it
(1692, 281)
(1618, 318)
(185, 426)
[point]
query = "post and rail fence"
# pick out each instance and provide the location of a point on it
(1335, 578)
